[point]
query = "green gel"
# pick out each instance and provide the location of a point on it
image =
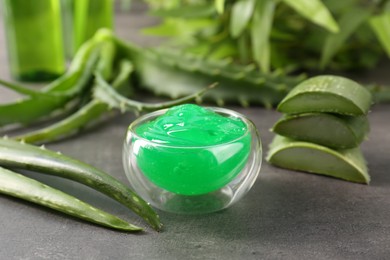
(192, 150)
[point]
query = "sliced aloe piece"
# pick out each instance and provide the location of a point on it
(330, 130)
(332, 94)
(347, 164)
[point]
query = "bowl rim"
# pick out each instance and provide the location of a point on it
(144, 118)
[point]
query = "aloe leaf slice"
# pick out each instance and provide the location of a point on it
(330, 130)
(347, 164)
(327, 93)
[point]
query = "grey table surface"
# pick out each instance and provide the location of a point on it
(286, 215)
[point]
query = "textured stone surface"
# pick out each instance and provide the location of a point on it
(286, 215)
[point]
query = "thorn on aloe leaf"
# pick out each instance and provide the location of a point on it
(198, 100)
(220, 102)
(243, 101)
(267, 104)
(174, 95)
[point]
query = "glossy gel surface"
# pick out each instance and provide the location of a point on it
(197, 151)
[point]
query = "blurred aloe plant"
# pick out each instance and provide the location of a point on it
(279, 34)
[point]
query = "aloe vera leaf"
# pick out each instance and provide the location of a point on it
(64, 89)
(330, 130)
(92, 111)
(260, 31)
(80, 69)
(110, 96)
(21, 89)
(182, 30)
(242, 49)
(88, 48)
(347, 164)
(241, 15)
(22, 187)
(82, 118)
(24, 156)
(30, 109)
(332, 94)
(381, 26)
(67, 127)
(106, 62)
(186, 12)
(187, 74)
(349, 23)
(315, 11)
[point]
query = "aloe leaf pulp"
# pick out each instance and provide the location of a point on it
(325, 129)
(347, 164)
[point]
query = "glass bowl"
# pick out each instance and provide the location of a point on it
(195, 179)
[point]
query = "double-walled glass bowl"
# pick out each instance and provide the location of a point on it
(192, 179)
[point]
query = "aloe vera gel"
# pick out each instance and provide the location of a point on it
(34, 39)
(192, 159)
(193, 170)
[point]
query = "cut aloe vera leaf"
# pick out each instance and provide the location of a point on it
(330, 130)
(332, 94)
(347, 164)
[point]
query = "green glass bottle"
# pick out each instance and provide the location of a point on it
(88, 17)
(34, 39)
(67, 7)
